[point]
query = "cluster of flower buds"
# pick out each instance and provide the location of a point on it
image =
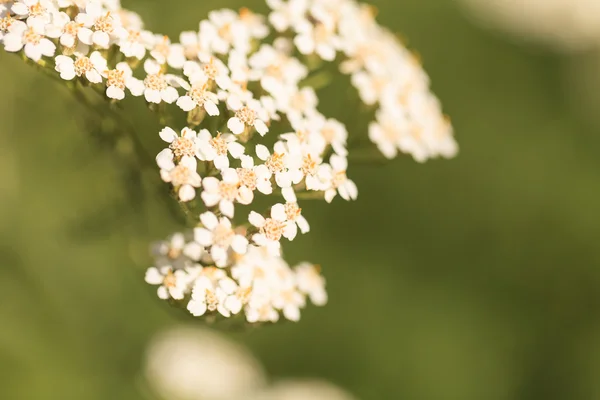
(253, 128)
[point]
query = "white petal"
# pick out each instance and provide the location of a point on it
(101, 39)
(186, 103)
(209, 220)
(197, 308)
(226, 208)
(261, 127)
(235, 125)
(153, 276)
(164, 159)
(115, 93)
(203, 236)
(239, 244)
(187, 193)
(236, 149)
(303, 224)
(262, 152)
(278, 212)
(211, 108)
(168, 135)
(169, 95)
(256, 219)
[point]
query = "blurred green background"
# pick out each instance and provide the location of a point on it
(471, 279)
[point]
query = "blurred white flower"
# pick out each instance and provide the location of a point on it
(306, 389)
(565, 25)
(197, 364)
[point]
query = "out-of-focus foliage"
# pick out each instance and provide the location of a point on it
(476, 278)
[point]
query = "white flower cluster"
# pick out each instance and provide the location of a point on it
(408, 117)
(217, 271)
(254, 128)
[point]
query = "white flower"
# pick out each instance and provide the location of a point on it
(339, 182)
(91, 68)
(277, 163)
(210, 68)
(270, 230)
(279, 74)
(335, 134)
(99, 27)
(134, 43)
(218, 234)
(226, 31)
(294, 217)
(120, 78)
(216, 149)
(158, 86)
(222, 193)
(319, 38)
(302, 103)
(175, 252)
(253, 178)
(287, 14)
(182, 176)
(290, 301)
(172, 284)
(66, 31)
(311, 283)
(31, 39)
(166, 52)
(6, 22)
(247, 117)
(200, 95)
(206, 296)
(180, 147)
(386, 132)
(195, 47)
(36, 11)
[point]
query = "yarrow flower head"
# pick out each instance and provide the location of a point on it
(241, 129)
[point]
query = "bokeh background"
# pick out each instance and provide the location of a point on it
(471, 279)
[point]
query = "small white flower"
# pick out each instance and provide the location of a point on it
(180, 147)
(294, 217)
(253, 178)
(247, 116)
(91, 67)
(36, 11)
(99, 27)
(290, 301)
(218, 234)
(166, 52)
(6, 21)
(216, 149)
(287, 14)
(31, 39)
(277, 163)
(182, 176)
(172, 284)
(120, 78)
(134, 43)
(200, 95)
(195, 47)
(222, 192)
(339, 182)
(209, 68)
(206, 296)
(66, 31)
(159, 86)
(319, 38)
(311, 283)
(270, 229)
(175, 252)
